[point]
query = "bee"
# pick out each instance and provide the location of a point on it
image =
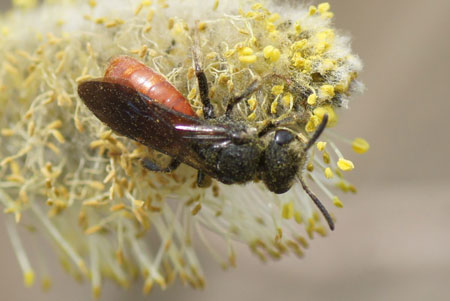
(139, 103)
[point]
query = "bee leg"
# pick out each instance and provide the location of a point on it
(254, 86)
(203, 181)
(208, 109)
(150, 165)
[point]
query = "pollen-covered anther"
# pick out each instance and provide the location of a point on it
(337, 202)
(327, 109)
(321, 145)
(287, 211)
(328, 173)
(271, 53)
(345, 165)
(326, 92)
(288, 100)
(246, 55)
(312, 99)
(312, 10)
(323, 7)
(360, 145)
(277, 90)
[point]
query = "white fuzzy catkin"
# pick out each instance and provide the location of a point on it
(66, 173)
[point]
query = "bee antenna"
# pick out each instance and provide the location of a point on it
(318, 132)
(319, 205)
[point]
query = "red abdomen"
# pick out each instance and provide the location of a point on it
(132, 73)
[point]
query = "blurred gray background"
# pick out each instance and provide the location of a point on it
(392, 240)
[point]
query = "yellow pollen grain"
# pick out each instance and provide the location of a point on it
(94, 203)
(7, 132)
(298, 27)
(196, 209)
(288, 99)
(46, 283)
(58, 136)
(252, 116)
(97, 185)
(140, 7)
(312, 99)
(327, 109)
(310, 167)
(247, 59)
(270, 27)
(312, 124)
(192, 94)
(246, 51)
(252, 103)
(328, 173)
(273, 106)
(287, 211)
(323, 7)
(326, 158)
(337, 202)
(312, 10)
(138, 203)
(202, 26)
(92, 230)
(342, 186)
(150, 15)
(54, 125)
(299, 45)
(92, 3)
(298, 217)
(321, 145)
(257, 6)
(229, 53)
(321, 47)
(117, 207)
(274, 17)
(345, 165)
(360, 145)
(277, 89)
(271, 53)
(327, 91)
(251, 14)
(28, 278)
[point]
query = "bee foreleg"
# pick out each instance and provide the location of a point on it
(203, 180)
(150, 165)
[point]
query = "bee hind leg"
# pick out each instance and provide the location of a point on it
(151, 165)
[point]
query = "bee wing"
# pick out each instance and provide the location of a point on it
(140, 118)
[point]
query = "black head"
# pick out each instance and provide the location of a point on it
(284, 156)
(282, 160)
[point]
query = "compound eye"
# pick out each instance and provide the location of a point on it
(283, 137)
